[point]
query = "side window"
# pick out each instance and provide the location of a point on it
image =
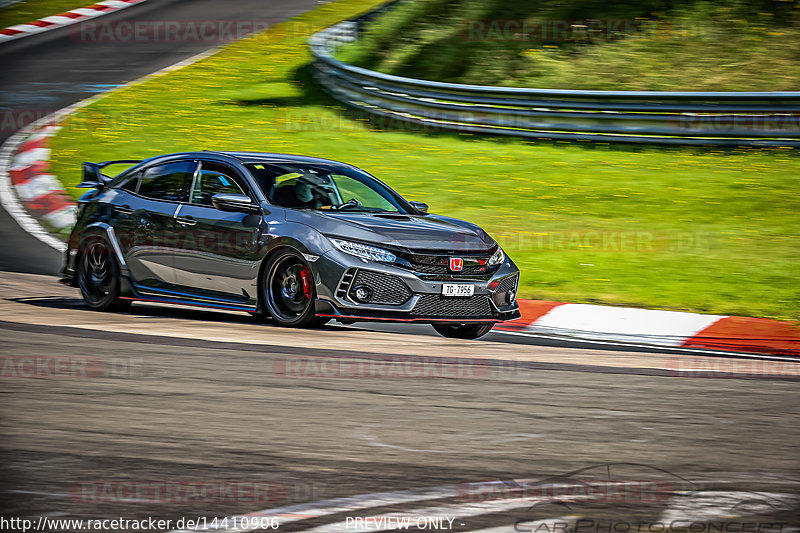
(215, 179)
(131, 184)
(170, 182)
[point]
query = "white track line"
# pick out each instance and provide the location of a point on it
(704, 506)
(381, 522)
(650, 346)
(305, 511)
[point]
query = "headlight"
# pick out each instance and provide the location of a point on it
(497, 258)
(363, 251)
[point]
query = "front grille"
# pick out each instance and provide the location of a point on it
(445, 269)
(386, 289)
(434, 305)
(439, 264)
(507, 284)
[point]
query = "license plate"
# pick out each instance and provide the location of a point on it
(457, 289)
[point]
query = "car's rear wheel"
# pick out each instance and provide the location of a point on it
(98, 276)
(288, 291)
(464, 331)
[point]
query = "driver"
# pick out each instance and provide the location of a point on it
(310, 195)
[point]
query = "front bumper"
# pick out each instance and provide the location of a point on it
(401, 295)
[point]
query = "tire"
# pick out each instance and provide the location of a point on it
(464, 331)
(286, 298)
(98, 276)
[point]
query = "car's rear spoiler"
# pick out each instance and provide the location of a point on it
(93, 178)
(104, 164)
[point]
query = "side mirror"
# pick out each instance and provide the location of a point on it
(92, 177)
(422, 207)
(236, 203)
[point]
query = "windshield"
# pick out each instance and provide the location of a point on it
(328, 188)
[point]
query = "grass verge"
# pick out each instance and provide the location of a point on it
(30, 10)
(685, 229)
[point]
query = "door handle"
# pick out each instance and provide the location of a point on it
(124, 209)
(186, 221)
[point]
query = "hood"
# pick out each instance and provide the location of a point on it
(428, 232)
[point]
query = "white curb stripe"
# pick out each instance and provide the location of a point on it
(113, 3)
(87, 12)
(59, 21)
(24, 27)
(38, 186)
(661, 328)
(63, 218)
(28, 158)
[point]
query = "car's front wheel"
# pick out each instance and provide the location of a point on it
(98, 276)
(288, 291)
(464, 331)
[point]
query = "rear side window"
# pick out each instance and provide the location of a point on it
(170, 182)
(132, 183)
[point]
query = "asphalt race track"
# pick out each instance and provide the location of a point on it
(177, 396)
(142, 408)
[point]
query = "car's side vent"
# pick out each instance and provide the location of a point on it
(344, 285)
(508, 284)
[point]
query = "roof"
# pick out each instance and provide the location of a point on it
(249, 157)
(262, 157)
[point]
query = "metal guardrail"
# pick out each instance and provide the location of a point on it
(701, 118)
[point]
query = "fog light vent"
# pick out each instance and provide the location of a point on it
(362, 293)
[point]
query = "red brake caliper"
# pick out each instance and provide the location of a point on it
(305, 276)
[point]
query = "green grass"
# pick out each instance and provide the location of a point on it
(30, 10)
(694, 45)
(713, 231)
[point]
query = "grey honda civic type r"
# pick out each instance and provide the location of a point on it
(298, 239)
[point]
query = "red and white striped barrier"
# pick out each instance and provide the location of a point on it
(65, 19)
(38, 190)
(658, 328)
